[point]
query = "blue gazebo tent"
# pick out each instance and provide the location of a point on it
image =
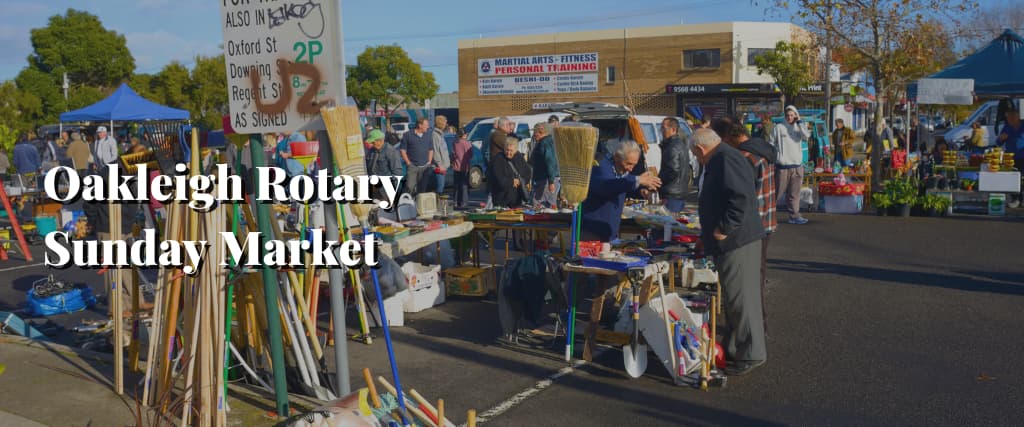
(997, 68)
(124, 105)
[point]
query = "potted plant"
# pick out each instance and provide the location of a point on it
(882, 203)
(919, 208)
(903, 192)
(968, 184)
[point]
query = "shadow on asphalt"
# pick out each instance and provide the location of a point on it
(698, 414)
(998, 283)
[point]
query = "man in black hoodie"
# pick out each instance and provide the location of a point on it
(675, 166)
(731, 232)
(762, 156)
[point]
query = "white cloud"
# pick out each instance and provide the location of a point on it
(153, 50)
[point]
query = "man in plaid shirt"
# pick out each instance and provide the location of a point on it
(762, 157)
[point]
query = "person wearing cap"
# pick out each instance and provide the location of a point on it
(79, 153)
(731, 231)
(787, 138)
(105, 149)
(1011, 137)
(383, 159)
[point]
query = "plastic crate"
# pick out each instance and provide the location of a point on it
(469, 281)
(623, 264)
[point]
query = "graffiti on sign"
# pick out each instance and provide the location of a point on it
(287, 70)
(299, 11)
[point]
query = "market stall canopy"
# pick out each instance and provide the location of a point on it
(124, 104)
(997, 68)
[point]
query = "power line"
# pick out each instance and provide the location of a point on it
(608, 16)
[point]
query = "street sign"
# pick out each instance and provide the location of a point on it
(281, 62)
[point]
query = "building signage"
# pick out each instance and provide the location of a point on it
(525, 85)
(538, 64)
(717, 89)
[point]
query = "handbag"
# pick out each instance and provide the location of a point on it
(523, 197)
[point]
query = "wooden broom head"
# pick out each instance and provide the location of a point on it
(346, 133)
(361, 210)
(575, 147)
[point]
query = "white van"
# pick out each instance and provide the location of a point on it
(523, 125)
(987, 115)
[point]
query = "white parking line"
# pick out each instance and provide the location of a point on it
(526, 394)
(21, 267)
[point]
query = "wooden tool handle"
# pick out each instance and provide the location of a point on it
(471, 418)
(440, 413)
(373, 388)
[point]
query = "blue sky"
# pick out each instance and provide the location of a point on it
(159, 31)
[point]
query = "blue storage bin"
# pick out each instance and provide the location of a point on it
(612, 265)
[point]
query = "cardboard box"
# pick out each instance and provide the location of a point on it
(419, 276)
(469, 281)
(424, 298)
(1004, 182)
(393, 307)
(844, 204)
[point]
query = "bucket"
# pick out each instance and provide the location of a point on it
(46, 224)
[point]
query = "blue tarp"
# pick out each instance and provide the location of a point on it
(124, 104)
(997, 68)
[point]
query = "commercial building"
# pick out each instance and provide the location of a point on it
(698, 70)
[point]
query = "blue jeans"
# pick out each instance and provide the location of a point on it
(675, 205)
(440, 183)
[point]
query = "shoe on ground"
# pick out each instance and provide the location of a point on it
(798, 220)
(742, 367)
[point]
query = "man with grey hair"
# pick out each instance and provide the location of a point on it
(441, 159)
(731, 231)
(499, 136)
(610, 180)
(545, 166)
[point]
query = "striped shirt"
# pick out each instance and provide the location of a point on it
(764, 187)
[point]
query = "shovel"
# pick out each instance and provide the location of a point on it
(634, 355)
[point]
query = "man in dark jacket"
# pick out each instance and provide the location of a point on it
(383, 159)
(731, 231)
(26, 157)
(545, 166)
(762, 156)
(610, 181)
(675, 166)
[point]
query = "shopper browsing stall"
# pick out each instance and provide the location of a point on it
(1011, 138)
(610, 181)
(787, 137)
(510, 174)
(731, 232)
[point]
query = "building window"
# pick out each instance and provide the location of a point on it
(754, 52)
(609, 77)
(702, 58)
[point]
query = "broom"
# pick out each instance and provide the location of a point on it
(575, 147)
(345, 132)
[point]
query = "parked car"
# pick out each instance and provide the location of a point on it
(987, 115)
(400, 129)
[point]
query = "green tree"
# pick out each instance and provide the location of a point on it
(171, 85)
(208, 91)
(789, 66)
(142, 84)
(77, 43)
(874, 30)
(18, 108)
(382, 72)
(95, 59)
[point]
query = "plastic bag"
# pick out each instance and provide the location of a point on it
(77, 299)
(390, 275)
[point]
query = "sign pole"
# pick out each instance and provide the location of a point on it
(270, 288)
(336, 279)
